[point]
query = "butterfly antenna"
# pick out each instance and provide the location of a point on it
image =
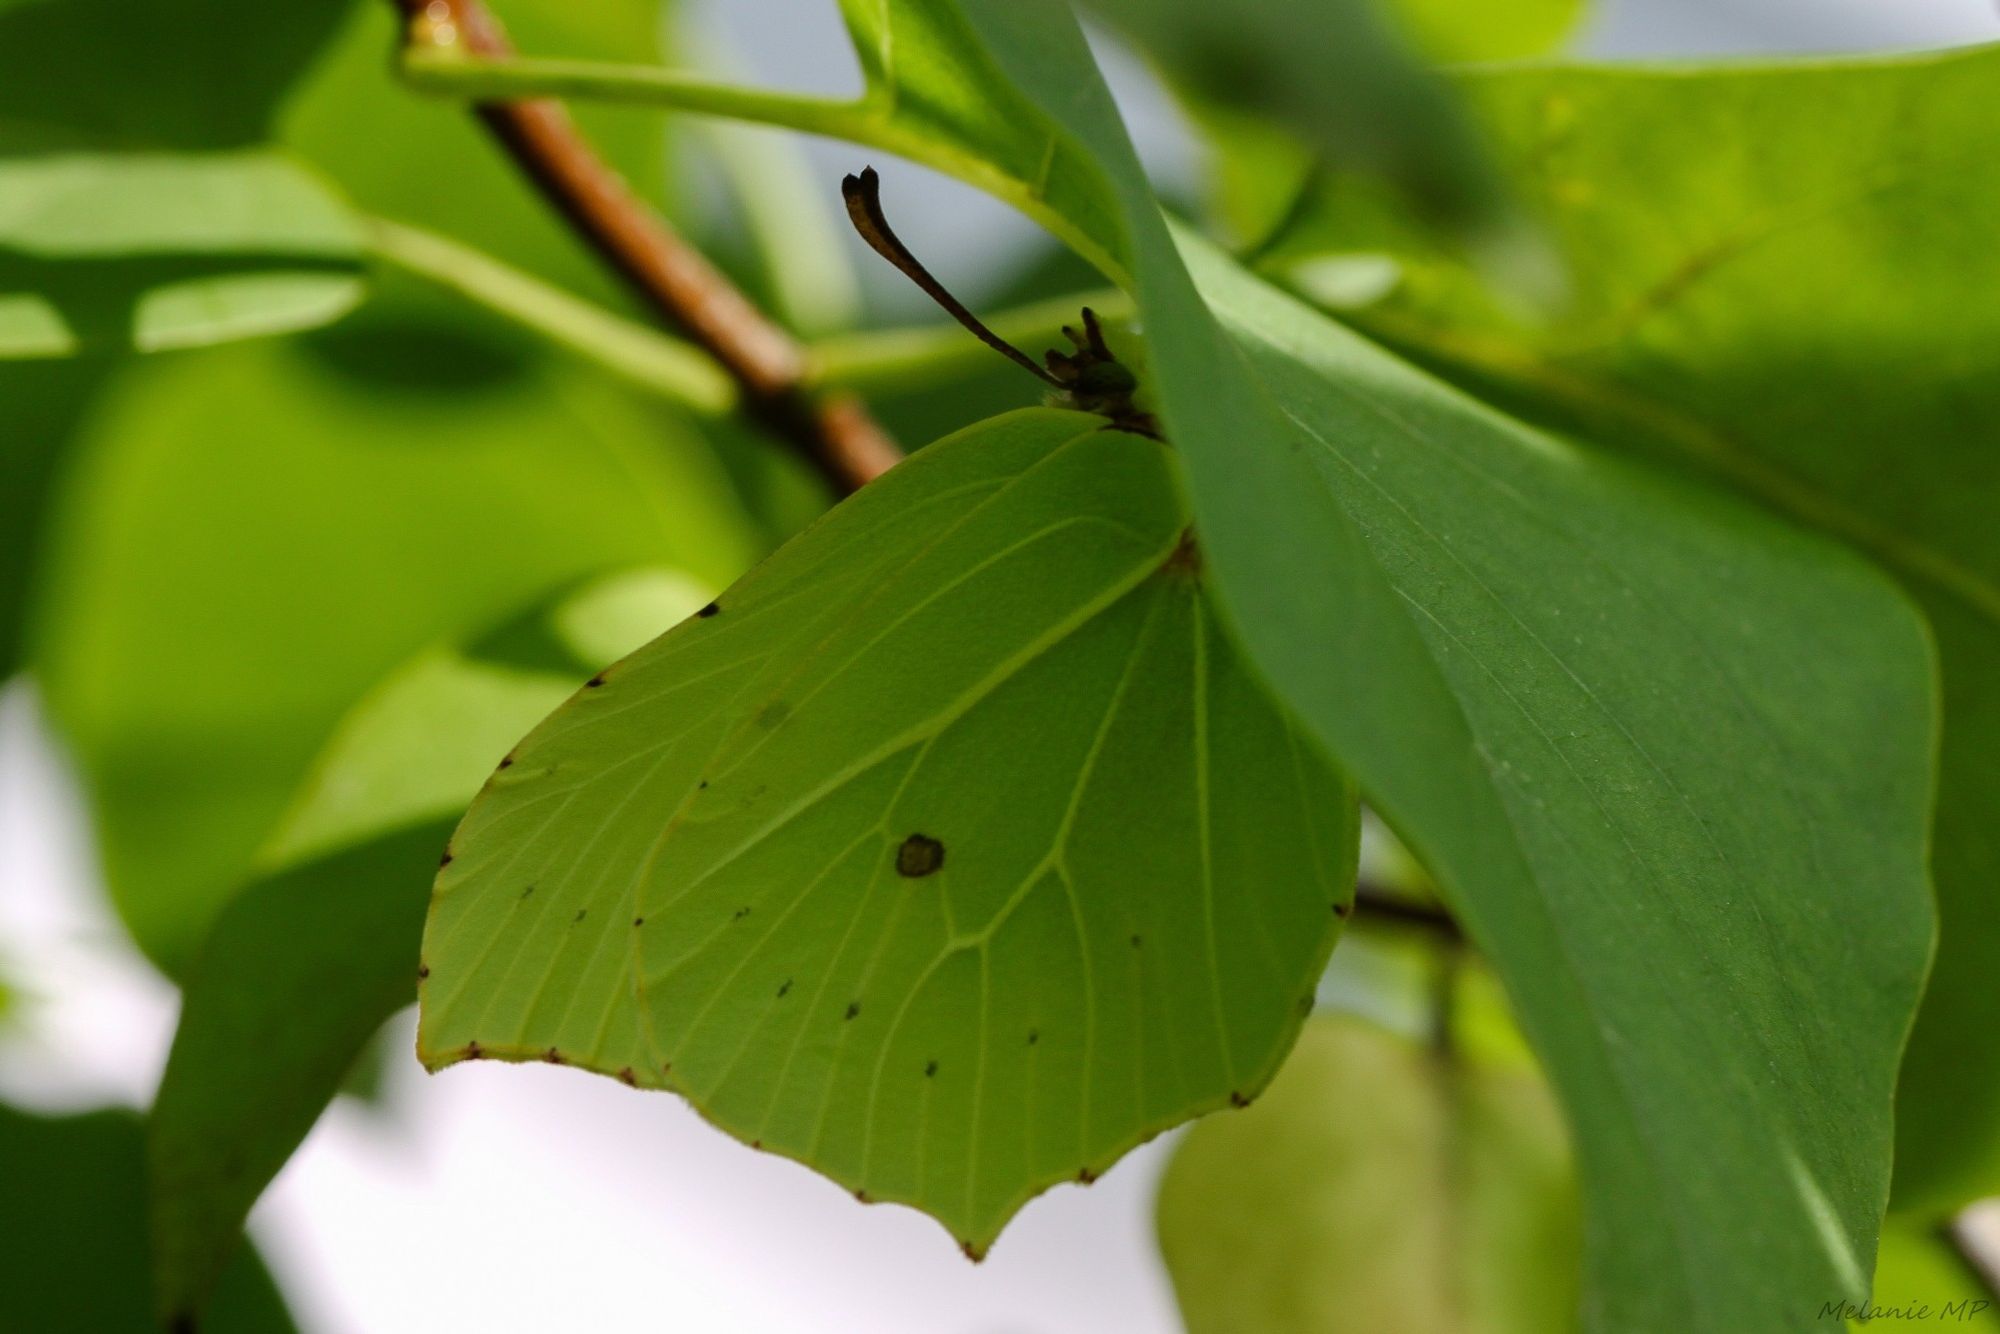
(863, 194)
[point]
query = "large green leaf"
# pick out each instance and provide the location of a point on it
(1669, 760)
(306, 963)
(256, 536)
(1686, 810)
(74, 1216)
(1770, 269)
(953, 851)
(1380, 1185)
(137, 208)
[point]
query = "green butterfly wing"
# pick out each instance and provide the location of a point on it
(954, 851)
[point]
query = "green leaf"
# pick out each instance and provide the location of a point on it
(300, 971)
(1380, 1185)
(1589, 628)
(140, 209)
(1669, 761)
(1920, 1270)
(953, 851)
(254, 537)
(1337, 76)
(42, 407)
(74, 1216)
(155, 79)
(1455, 33)
(1770, 267)
(304, 965)
(352, 105)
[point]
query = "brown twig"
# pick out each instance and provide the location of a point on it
(835, 433)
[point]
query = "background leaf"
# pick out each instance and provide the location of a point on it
(1505, 30)
(74, 1215)
(43, 405)
(300, 972)
(305, 964)
(1380, 1185)
(951, 840)
(138, 209)
(1337, 75)
(352, 104)
(218, 601)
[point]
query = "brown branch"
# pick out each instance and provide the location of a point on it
(835, 433)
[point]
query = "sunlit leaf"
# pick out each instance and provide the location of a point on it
(1455, 33)
(1770, 267)
(1380, 1185)
(956, 849)
(137, 207)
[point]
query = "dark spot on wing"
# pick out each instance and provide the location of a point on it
(1136, 941)
(1034, 1036)
(629, 1077)
(773, 713)
(507, 762)
(552, 1056)
(919, 856)
(930, 1069)
(423, 971)
(709, 610)
(1237, 1099)
(529, 890)
(445, 860)
(785, 988)
(740, 913)
(581, 913)
(594, 682)
(853, 1008)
